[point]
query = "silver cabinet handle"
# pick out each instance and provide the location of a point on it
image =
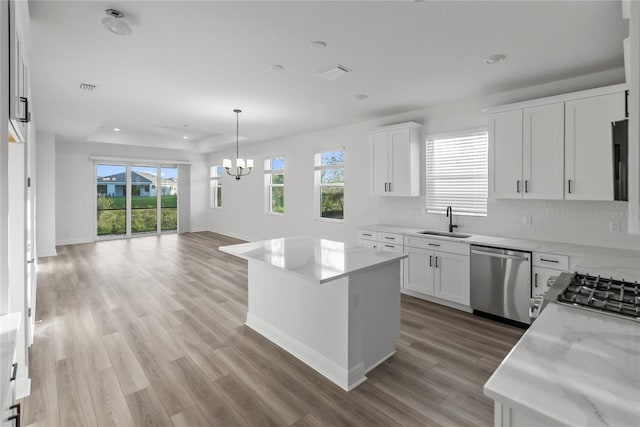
(517, 186)
(526, 185)
(433, 244)
(569, 185)
(535, 280)
(430, 260)
(495, 255)
(550, 260)
(389, 238)
(389, 187)
(366, 234)
(389, 246)
(385, 186)
(436, 262)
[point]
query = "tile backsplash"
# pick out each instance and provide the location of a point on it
(576, 222)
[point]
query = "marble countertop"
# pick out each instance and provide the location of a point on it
(316, 259)
(575, 367)
(616, 263)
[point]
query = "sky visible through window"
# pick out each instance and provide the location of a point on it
(106, 170)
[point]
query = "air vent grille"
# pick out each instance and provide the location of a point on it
(333, 72)
(87, 87)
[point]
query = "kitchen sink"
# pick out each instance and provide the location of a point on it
(445, 234)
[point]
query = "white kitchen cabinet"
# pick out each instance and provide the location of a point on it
(452, 277)
(545, 266)
(588, 146)
(431, 271)
(505, 140)
(19, 114)
(395, 160)
(543, 152)
(528, 152)
(389, 242)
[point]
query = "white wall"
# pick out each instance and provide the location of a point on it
(243, 215)
(75, 182)
(46, 194)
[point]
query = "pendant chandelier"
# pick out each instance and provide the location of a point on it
(241, 165)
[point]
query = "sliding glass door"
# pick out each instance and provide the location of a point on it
(111, 201)
(135, 199)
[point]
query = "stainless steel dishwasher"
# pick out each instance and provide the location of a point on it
(501, 282)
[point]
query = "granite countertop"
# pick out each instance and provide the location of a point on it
(321, 260)
(575, 367)
(616, 263)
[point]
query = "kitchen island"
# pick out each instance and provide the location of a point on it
(334, 306)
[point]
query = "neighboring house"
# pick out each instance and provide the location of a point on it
(142, 184)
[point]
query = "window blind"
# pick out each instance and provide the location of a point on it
(457, 173)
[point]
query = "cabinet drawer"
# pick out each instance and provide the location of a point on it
(391, 238)
(437, 244)
(368, 243)
(390, 247)
(557, 262)
(368, 235)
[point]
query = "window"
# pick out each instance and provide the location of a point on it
(274, 185)
(457, 173)
(329, 179)
(215, 186)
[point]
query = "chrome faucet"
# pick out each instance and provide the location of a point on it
(450, 216)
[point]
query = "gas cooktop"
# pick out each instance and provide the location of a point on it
(610, 296)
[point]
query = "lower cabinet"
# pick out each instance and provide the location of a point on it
(432, 272)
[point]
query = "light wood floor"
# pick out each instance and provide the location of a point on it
(149, 331)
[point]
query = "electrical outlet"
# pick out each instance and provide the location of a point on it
(614, 226)
(526, 219)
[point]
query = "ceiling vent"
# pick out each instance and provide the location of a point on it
(87, 87)
(333, 72)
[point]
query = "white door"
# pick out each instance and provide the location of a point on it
(452, 277)
(543, 152)
(588, 146)
(379, 163)
(418, 270)
(400, 162)
(505, 140)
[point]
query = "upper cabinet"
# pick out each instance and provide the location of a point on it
(589, 146)
(395, 160)
(19, 85)
(556, 148)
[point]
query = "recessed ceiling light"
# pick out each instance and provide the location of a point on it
(114, 22)
(318, 44)
(185, 137)
(276, 67)
(493, 59)
(116, 129)
(362, 97)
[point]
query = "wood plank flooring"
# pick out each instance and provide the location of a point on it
(150, 332)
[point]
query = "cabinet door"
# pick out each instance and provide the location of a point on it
(540, 278)
(379, 163)
(452, 277)
(400, 170)
(588, 146)
(543, 152)
(505, 140)
(369, 244)
(418, 274)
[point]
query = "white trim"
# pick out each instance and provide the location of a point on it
(396, 126)
(558, 98)
(457, 133)
(150, 162)
(317, 182)
(234, 235)
(345, 379)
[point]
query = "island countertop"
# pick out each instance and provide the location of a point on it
(321, 260)
(573, 367)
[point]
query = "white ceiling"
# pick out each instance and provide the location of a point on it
(192, 63)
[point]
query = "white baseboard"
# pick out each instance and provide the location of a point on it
(23, 388)
(231, 234)
(198, 229)
(325, 366)
(75, 241)
(437, 300)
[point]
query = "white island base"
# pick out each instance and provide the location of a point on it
(342, 328)
(333, 306)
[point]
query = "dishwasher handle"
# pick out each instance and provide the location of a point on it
(496, 255)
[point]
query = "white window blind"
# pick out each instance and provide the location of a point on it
(457, 173)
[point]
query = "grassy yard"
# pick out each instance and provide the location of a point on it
(112, 214)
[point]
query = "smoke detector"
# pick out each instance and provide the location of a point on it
(115, 23)
(333, 72)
